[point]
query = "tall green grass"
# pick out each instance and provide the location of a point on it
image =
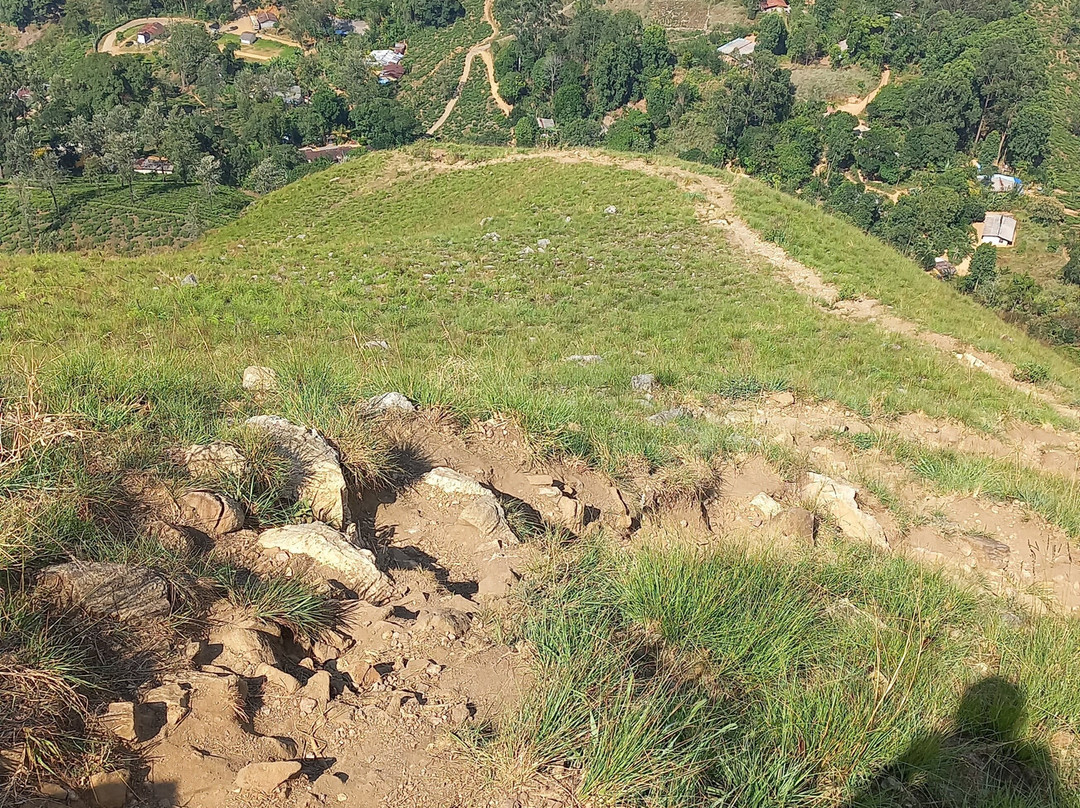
(719, 678)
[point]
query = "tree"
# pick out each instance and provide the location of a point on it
(659, 99)
(838, 136)
(47, 175)
(1070, 273)
(804, 40)
(382, 123)
(613, 70)
(569, 102)
(582, 132)
(187, 47)
(309, 20)
(876, 154)
(208, 175)
(772, 34)
(1044, 209)
(656, 56)
(526, 131)
(330, 109)
(180, 144)
(1029, 135)
(932, 146)
(266, 177)
(512, 87)
(632, 132)
(983, 269)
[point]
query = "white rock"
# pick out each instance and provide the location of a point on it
(767, 505)
(189, 280)
(611, 209)
(212, 459)
(841, 501)
(454, 482)
(585, 359)
(543, 243)
(317, 479)
(259, 379)
(331, 549)
(377, 344)
(391, 401)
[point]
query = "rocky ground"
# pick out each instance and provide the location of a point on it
(379, 709)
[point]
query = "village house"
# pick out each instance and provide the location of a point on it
(335, 153)
(263, 20)
(1004, 183)
(736, 48)
(152, 165)
(392, 72)
(774, 7)
(247, 38)
(148, 33)
(999, 229)
(386, 57)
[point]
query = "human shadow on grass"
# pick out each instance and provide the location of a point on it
(982, 760)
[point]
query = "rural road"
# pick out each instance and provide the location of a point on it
(857, 107)
(108, 43)
(483, 50)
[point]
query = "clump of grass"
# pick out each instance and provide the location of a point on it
(290, 602)
(1031, 373)
(686, 478)
(738, 388)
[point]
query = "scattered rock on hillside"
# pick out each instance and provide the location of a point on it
(484, 512)
(242, 649)
(782, 399)
(643, 382)
(668, 415)
(377, 344)
(264, 778)
(352, 566)
(189, 280)
(259, 379)
(543, 243)
(118, 591)
(767, 505)
(214, 459)
(492, 237)
(210, 512)
(610, 210)
(841, 501)
(317, 479)
(278, 678)
(585, 359)
(391, 401)
(450, 481)
(798, 523)
(109, 789)
(445, 622)
(497, 577)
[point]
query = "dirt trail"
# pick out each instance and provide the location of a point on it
(108, 43)
(857, 108)
(483, 50)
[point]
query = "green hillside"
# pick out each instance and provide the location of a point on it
(667, 671)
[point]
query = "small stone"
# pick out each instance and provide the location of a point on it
(443, 621)
(767, 505)
(492, 237)
(259, 379)
(318, 687)
(308, 705)
(391, 401)
(210, 512)
(175, 699)
(611, 210)
(278, 678)
(485, 514)
(109, 789)
(266, 777)
(189, 280)
(571, 511)
(53, 791)
(539, 479)
(585, 359)
(782, 399)
(643, 382)
(543, 243)
(377, 345)
(120, 719)
(798, 523)
(668, 415)
(214, 459)
(497, 578)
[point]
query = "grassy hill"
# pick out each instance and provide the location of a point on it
(664, 675)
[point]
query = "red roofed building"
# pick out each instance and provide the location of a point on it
(774, 7)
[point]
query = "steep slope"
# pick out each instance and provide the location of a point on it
(822, 512)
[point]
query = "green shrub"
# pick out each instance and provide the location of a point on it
(1031, 373)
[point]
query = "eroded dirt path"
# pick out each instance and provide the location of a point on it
(857, 108)
(483, 50)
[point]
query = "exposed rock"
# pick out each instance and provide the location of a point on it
(119, 718)
(391, 401)
(571, 511)
(264, 778)
(767, 505)
(173, 698)
(485, 514)
(178, 538)
(278, 678)
(258, 379)
(797, 523)
(189, 280)
(109, 789)
(377, 344)
(446, 622)
(543, 243)
(107, 590)
(540, 479)
(782, 399)
(318, 688)
(990, 548)
(214, 459)
(611, 210)
(317, 479)
(210, 512)
(496, 580)
(242, 649)
(841, 501)
(454, 482)
(643, 382)
(668, 415)
(492, 237)
(585, 359)
(352, 566)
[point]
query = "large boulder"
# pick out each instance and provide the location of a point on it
(317, 478)
(841, 501)
(115, 591)
(330, 549)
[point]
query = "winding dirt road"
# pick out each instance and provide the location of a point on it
(857, 107)
(483, 50)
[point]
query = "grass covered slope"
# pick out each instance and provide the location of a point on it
(448, 267)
